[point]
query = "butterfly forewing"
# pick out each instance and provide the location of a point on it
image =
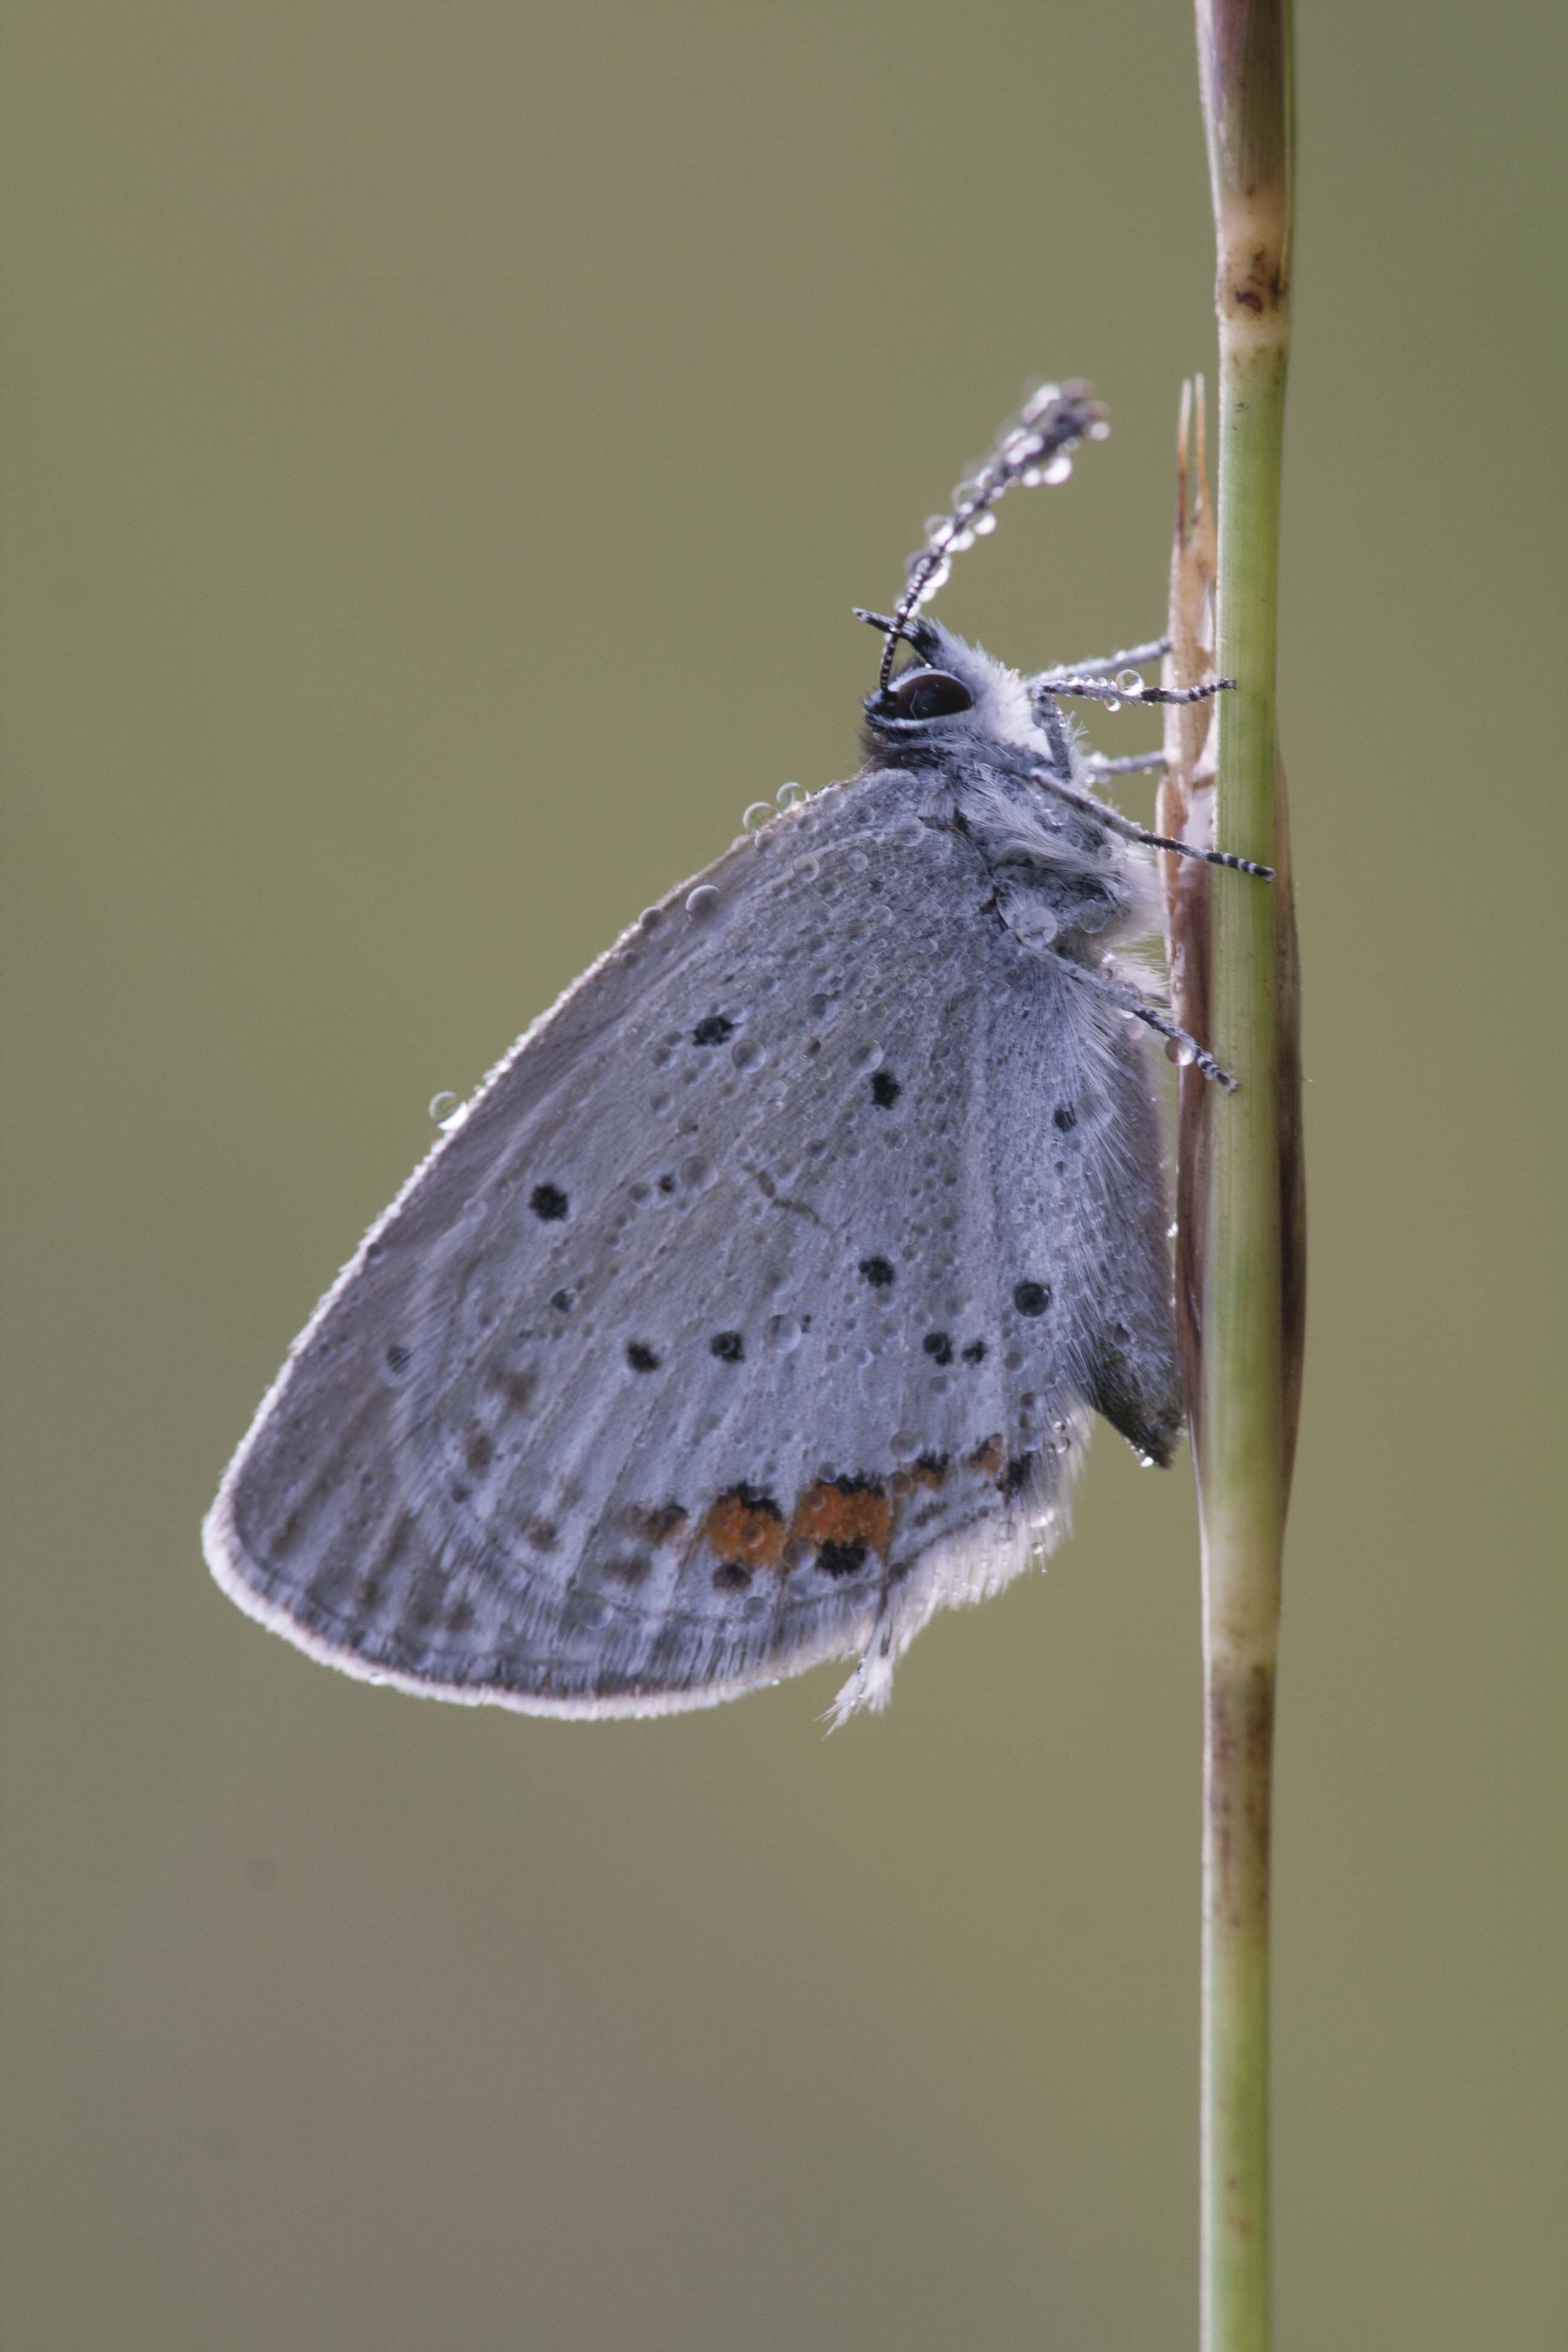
(791, 1159)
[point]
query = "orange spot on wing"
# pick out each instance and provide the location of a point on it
(745, 1525)
(987, 1455)
(828, 1513)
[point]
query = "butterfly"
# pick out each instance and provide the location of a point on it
(758, 1305)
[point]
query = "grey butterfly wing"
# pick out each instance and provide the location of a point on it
(752, 1312)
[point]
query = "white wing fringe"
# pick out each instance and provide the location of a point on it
(954, 1575)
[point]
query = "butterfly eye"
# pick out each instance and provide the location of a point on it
(930, 693)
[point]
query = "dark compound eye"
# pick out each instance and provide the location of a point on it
(930, 693)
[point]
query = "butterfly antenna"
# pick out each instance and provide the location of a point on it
(1031, 448)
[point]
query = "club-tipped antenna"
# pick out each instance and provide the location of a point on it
(1031, 448)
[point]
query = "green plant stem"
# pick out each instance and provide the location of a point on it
(1241, 1445)
(1242, 1442)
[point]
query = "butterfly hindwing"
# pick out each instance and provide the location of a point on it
(742, 1321)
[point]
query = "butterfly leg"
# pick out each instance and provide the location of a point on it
(1106, 689)
(1098, 662)
(1135, 763)
(1127, 1000)
(1114, 821)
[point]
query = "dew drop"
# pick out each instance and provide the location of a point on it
(697, 1173)
(748, 1055)
(758, 815)
(791, 795)
(704, 903)
(1058, 470)
(806, 869)
(650, 918)
(442, 1106)
(906, 1445)
(1130, 681)
(984, 524)
(869, 1057)
(783, 1333)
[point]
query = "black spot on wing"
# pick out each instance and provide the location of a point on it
(549, 1203)
(885, 1089)
(1017, 1474)
(878, 1272)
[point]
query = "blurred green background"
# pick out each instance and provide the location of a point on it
(441, 446)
